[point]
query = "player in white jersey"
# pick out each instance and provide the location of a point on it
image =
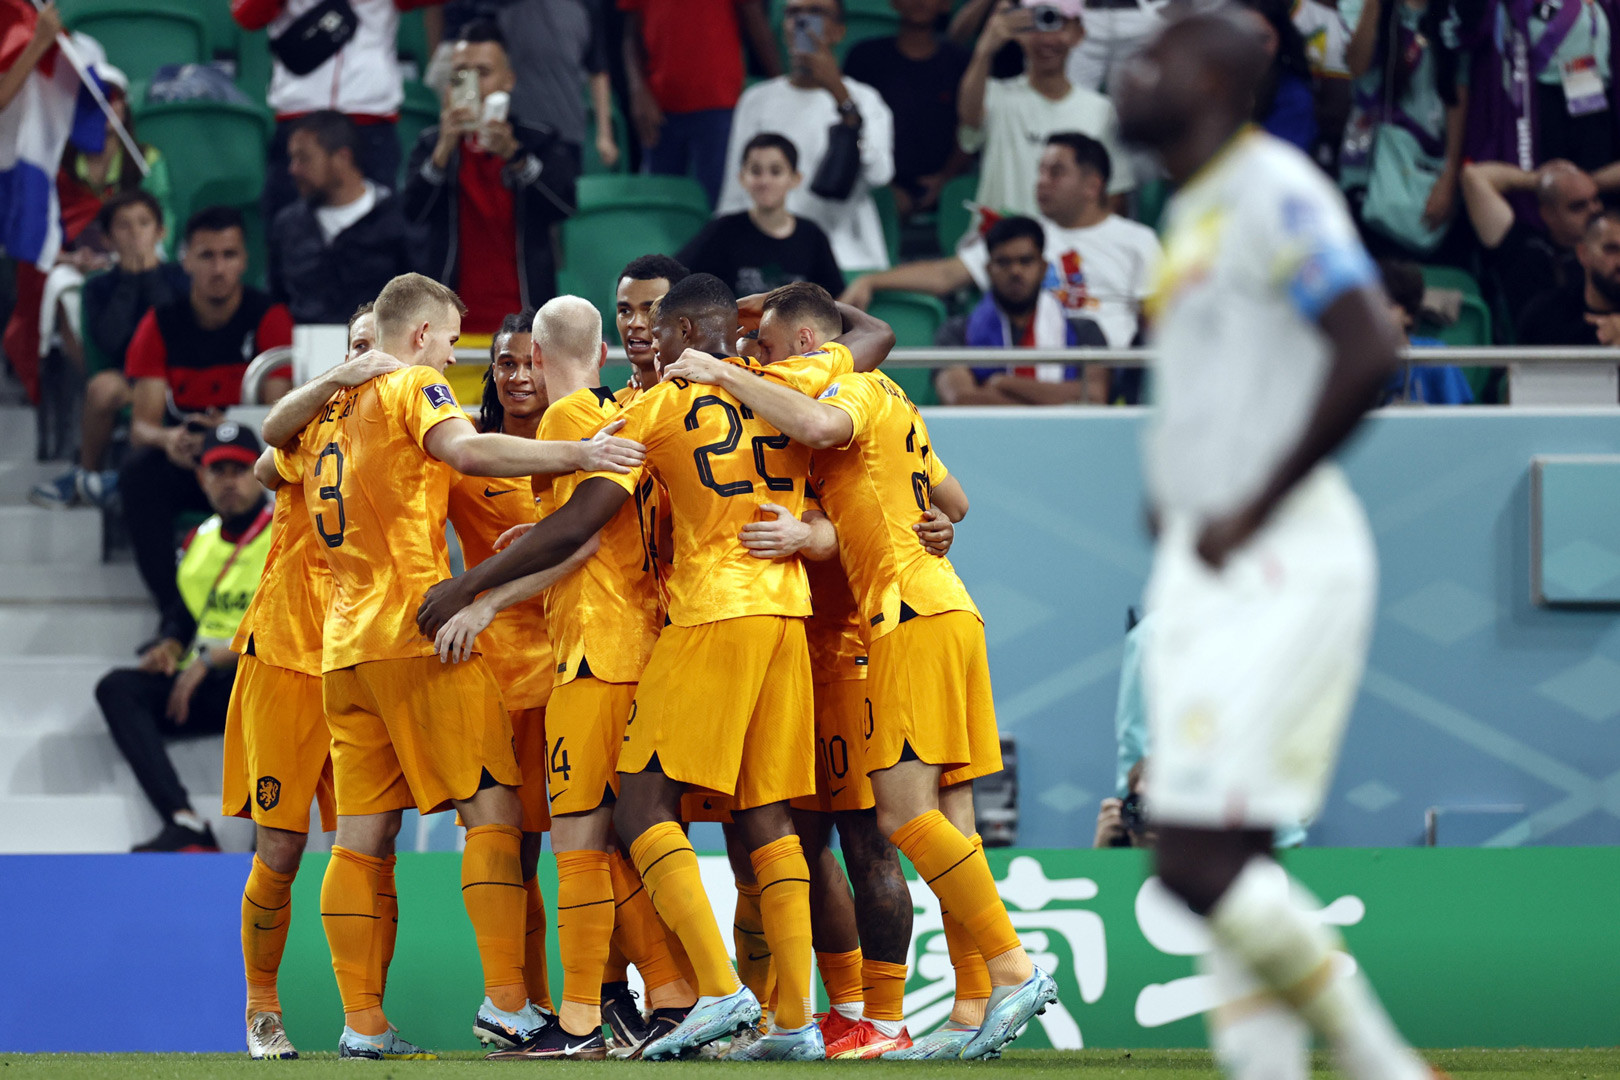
(1273, 340)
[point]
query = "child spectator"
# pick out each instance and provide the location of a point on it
(1285, 106)
(1417, 384)
(766, 245)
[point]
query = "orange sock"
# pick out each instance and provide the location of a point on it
(957, 873)
(387, 920)
(584, 926)
(266, 914)
(349, 914)
(748, 935)
(665, 859)
(641, 932)
(677, 952)
(841, 975)
(972, 976)
(536, 981)
(784, 905)
(883, 991)
(618, 964)
(492, 891)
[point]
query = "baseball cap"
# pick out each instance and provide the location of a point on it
(1069, 9)
(230, 441)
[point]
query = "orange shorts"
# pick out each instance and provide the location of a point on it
(928, 681)
(727, 706)
(841, 732)
(585, 731)
(277, 748)
(529, 743)
(416, 732)
(707, 806)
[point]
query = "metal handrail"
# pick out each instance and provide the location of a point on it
(1473, 355)
(259, 369)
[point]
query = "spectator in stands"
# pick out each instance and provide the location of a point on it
(1586, 311)
(1285, 105)
(561, 51)
(183, 683)
(1015, 312)
(489, 194)
(684, 67)
(1099, 266)
(88, 180)
(1417, 384)
(1523, 260)
(114, 304)
(917, 72)
(1121, 822)
(767, 246)
(185, 364)
(343, 238)
(324, 60)
(1402, 154)
(1327, 41)
(47, 24)
(842, 129)
(1010, 119)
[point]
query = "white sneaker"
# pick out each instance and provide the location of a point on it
(267, 1038)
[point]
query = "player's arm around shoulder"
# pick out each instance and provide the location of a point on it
(795, 414)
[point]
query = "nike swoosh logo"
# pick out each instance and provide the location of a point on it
(490, 494)
(761, 956)
(835, 792)
(559, 794)
(572, 1050)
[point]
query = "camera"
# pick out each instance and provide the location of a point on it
(1046, 19)
(1131, 816)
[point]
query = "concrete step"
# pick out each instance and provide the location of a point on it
(55, 583)
(85, 761)
(51, 693)
(16, 433)
(96, 824)
(30, 535)
(56, 630)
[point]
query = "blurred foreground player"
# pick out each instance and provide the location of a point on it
(276, 741)
(1274, 339)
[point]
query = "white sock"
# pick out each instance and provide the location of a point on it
(1254, 1035)
(887, 1028)
(849, 1010)
(188, 819)
(1290, 952)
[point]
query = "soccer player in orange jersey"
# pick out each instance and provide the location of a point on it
(276, 741)
(735, 630)
(933, 721)
(377, 464)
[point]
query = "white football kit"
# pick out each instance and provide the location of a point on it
(1252, 670)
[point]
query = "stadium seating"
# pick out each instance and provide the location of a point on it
(915, 317)
(419, 112)
(954, 217)
(141, 36)
(654, 195)
(1473, 325)
(411, 43)
(210, 143)
(619, 218)
(592, 163)
(889, 215)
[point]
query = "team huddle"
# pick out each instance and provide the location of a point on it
(718, 594)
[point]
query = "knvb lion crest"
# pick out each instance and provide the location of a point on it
(269, 792)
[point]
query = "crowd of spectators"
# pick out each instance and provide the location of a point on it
(1474, 134)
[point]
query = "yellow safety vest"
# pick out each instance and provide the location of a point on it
(216, 587)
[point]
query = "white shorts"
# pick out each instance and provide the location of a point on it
(1250, 673)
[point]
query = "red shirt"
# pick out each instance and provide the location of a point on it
(487, 279)
(204, 367)
(694, 52)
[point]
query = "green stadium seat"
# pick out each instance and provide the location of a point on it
(954, 217)
(419, 112)
(211, 144)
(656, 194)
(916, 318)
(224, 36)
(142, 36)
(861, 25)
(254, 65)
(1473, 325)
(889, 215)
(591, 163)
(1151, 198)
(411, 43)
(597, 243)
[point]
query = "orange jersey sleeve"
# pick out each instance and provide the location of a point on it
(811, 374)
(603, 616)
(718, 463)
(284, 623)
(875, 490)
(515, 646)
(378, 502)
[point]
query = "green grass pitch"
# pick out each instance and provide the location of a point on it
(1017, 1065)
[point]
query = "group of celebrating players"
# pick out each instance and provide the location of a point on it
(720, 593)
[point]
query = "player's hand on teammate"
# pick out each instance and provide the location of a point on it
(606, 452)
(696, 366)
(1223, 536)
(783, 537)
(510, 536)
(163, 657)
(365, 367)
(935, 531)
(441, 603)
(185, 685)
(457, 637)
(751, 309)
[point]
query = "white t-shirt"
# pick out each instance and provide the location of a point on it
(804, 117)
(1102, 272)
(363, 78)
(1017, 123)
(1256, 248)
(334, 219)
(1326, 38)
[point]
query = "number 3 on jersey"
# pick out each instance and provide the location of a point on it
(332, 493)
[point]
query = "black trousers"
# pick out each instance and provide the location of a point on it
(135, 704)
(155, 491)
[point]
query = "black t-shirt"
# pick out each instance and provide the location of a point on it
(734, 250)
(1526, 264)
(922, 96)
(1558, 317)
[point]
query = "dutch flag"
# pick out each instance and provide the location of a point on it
(51, 108)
